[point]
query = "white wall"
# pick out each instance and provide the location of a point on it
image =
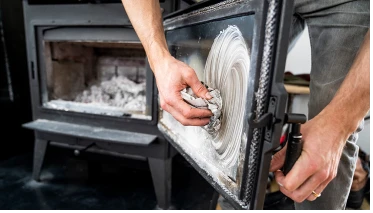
(299, 62)
(364, 138)
(299, 58)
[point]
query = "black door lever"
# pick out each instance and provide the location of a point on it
(295, 142)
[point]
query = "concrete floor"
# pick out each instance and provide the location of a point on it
(71, 183)
(75, 183)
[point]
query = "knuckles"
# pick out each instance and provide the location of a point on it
(187, 113)
(332, 175)
(289, 186)
(168, 100)
(189, 73)
(201, 89)
(296, 197)
(324, 175)
(164, 105)
(313, 166)
(184, 122)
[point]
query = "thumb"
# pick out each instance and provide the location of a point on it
(278, 160)
(198, 88)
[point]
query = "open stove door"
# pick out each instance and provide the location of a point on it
(240, 48)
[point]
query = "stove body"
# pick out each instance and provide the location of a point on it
(91, 87)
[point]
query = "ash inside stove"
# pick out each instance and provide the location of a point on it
(96, 78)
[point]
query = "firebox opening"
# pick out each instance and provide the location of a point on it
(107, 78)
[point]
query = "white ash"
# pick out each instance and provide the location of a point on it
(118, 92)
(227, 68)
(91, 108)
(198, 145)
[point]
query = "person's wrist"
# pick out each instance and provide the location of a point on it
(339, 121)
(157, 55)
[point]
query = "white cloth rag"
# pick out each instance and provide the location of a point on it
(215, 104)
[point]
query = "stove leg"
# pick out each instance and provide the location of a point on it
(161, 174)
(39, 153)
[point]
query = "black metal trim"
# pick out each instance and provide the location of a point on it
(222, 191)
(271, 121)
(240, 7)
(278, 94)
(193, 7)
(39, 111)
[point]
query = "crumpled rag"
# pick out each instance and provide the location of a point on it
(214, 104)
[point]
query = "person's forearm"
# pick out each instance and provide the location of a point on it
(171, 75)
(351, 103)
(146, 18)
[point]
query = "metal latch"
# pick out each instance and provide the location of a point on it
(264, 121)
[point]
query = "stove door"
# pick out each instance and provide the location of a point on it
(238, 47)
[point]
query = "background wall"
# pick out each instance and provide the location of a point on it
(299, 58)
(299, 62)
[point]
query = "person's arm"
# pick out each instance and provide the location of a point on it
(351, 102)
(325, 135)
(171, 75)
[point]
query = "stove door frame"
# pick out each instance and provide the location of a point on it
(275, 100)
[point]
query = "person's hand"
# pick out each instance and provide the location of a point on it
(324, 139)
(172, 76)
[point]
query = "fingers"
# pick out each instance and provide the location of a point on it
(185, 109)
(175, 76)
(311, 185)
(187, 115)
(303, 169)
(198, 88)
(316, 182)
(318, 191)
(190, 112)
(279, 176)
(186, 121)
(278, 160)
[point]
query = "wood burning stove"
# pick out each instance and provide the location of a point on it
(91, 87)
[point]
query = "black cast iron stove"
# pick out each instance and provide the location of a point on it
(91, 87)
